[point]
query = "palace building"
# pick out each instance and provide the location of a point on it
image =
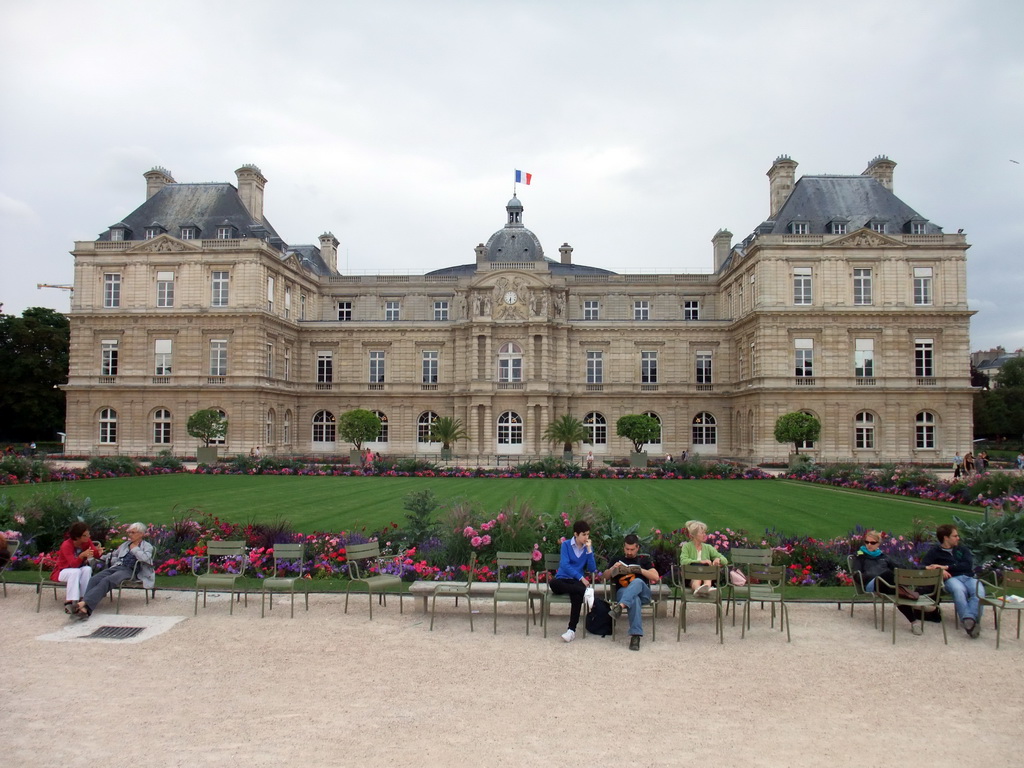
(844, 303)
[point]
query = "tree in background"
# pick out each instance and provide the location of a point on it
(33, 363)
(999, 412)
(207, 425)
(567, 430)
(796, 428)
(358, 426)
(447, 430)
(638, 429)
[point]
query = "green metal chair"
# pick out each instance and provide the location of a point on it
(515, 591)
(134, 583)
(1000, 597)
(611, 589)
(12, 549)
(456, 589)
(221, 554)
(551, 562)
(284, 555)
(860, 594)
(766, 584)
(743, 558)
(927, 583)
(685, 573)
(360, 557)
(46, 564)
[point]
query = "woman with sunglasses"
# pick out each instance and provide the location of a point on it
(873, 564)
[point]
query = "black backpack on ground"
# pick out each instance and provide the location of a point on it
(599, 618)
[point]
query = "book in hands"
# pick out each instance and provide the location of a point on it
(626, 568)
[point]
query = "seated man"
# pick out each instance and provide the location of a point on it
(633, 574)
(957, 565)
(123, 563)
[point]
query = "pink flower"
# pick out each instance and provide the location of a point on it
(536, 555)
(476, 541)
(468, 531)
(485, 539)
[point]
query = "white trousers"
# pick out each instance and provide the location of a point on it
(77, 580)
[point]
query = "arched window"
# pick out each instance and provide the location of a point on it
(382, 436)
(925, 429)
(221, 440)
(426, 419)
(597, 426)
(510, 428)
(108, 426)
(657, 418)
(287, 433)
(268, 436)
(809, 444)
(510, 363)
(161, 426)
(705, 429)
(864, 430)
(324, 427)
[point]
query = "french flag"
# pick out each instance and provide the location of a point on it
(522, 177)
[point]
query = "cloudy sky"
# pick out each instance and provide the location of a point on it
(397, 124)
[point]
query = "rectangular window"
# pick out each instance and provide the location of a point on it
(691, 310)
(922, 286)
(302, 306)
(117, 234)
(108, 355)
(703, 368)
(219, 284)
(218, 357)
(112, 290)
(924, 358)
(151, 232)
(641, 310)
(345, 311)
(270, 294)
(392, 311)
(862, 286)
(802, 285)
(595, 367)
(510, 369)
(430, 364)
(162, 357)
(864, 358)
(440, 310)
(162, 427)
(799, 227)
(188, 233)
(287, 302)
(377, 367)
(838, 228)
(165, 289)
(804, 357)
(224, 233)
(287, 364)
(917, 228)
(648, 367)
(324, 367)
(270, 361)
(878, 226)
(591, 310)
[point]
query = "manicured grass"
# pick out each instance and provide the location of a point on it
(352, 503)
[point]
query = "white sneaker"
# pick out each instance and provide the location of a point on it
(569, 635)
(701, 590)
(916, 627)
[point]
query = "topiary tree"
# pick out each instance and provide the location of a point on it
(358, 426)
(797, 428)
(638, 429)
(567, 430)
(207, 425)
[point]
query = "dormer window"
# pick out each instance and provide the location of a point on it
(120, 232)
(799, 227)
(837, 226)
(152, 232)
(225, 233)
(117, 234)
(917, 227)
(188, 233)
(877, 226)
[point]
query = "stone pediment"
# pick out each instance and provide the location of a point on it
(165, 244)
(864, 238)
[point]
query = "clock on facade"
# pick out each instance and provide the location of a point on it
(511, 297)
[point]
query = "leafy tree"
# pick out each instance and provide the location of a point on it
(358, 426)
(207, 425)
(34, 361)
(419, 525)
(567, 430)
(447, 430)
(638, 429)
(1011, 374)
(796, 428)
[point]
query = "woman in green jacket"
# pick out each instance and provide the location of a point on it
(698, 551)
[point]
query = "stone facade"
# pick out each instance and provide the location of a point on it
(845, 304)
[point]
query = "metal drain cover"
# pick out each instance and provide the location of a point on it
(114, 633)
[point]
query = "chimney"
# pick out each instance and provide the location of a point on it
(880, 169)
(156, 178)
(781, 178)
(481, 255)
(250, 188)
(566, 251)
(329, 250)
(723, 246)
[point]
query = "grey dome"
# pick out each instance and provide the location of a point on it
(514, 242)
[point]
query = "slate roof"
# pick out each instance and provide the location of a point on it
(859, 200)
(309, 257)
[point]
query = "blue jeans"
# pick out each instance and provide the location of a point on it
(634, 596)
(965, 591)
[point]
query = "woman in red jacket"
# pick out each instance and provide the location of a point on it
(73, 563)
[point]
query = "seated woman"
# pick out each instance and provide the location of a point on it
(73, 566)
(134, 556)
(873, 564)
(576, 560)
(697, 551)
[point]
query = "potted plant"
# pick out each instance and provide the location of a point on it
(796, 428)
(447, 430)
(207, 425)
(357, 427)
(567, 430)
(638, 429)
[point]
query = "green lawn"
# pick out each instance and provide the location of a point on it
(346, 503)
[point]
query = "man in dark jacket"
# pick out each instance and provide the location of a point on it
(957, 566)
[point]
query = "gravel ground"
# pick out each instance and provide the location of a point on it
(326, 689)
